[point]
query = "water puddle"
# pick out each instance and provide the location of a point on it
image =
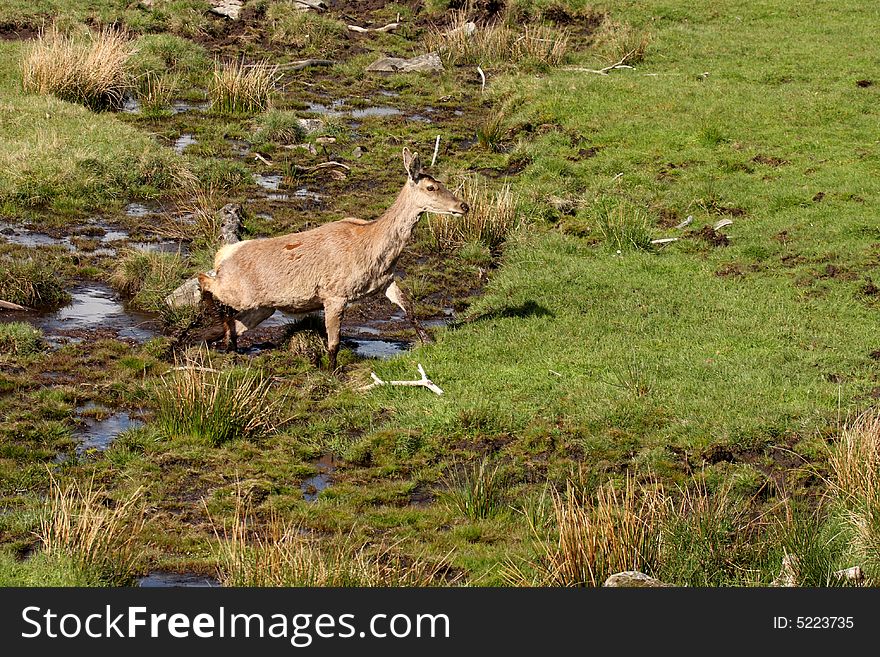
(334, 109)
(302, 194)
(161, 580)
(269, 182)
(133, 106)
(313, 486)
(166, 246)
(138, 210)
(93, 306)
(182, 142)
(382, 349)
(97, 434)
(25, 237)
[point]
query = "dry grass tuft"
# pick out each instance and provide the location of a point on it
(855, 484)
(278, 553)
(621, 532)
(497, 44)
(493, 215)
(621, 42)
(91, 71)
(155, 92)
(101, 539)
(239, 88)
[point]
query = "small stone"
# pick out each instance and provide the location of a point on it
(311, 125)
(357, 153)
(633, 579)
(227, 8)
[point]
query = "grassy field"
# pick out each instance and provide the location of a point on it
(600, 391)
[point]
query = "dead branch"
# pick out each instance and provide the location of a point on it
(295, 66)
(8, 305)
(385, 28)
(326, 165)
(424, 382)
(262, 159)
(436, 150)
(482, 79)
(193, 368)
(604, 71)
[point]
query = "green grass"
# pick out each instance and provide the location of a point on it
(742, 359)
(19, 339)
(199, 402)
(64, 157)
(31, 282)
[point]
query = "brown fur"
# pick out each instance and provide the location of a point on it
(329, 266)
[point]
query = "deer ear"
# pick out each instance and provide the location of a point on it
(412, 164)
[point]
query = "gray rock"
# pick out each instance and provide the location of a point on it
(422, 64)
(190, 293)
(306, 5)
(230, 225)
(311, 125)
(633, 579)
(228, 8)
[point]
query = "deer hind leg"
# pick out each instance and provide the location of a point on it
(250, 319)
(230, 334)
(400, 299)
(333, 311)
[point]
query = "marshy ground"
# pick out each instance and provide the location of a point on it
(688, 408)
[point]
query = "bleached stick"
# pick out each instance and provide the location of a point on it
(482, 79)
(8, 305)
(385, 28)
(424, 382)
(604, 71)
(436, 150)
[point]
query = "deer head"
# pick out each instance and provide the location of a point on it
(428, 193)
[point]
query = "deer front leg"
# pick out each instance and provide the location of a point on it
(400, 299)
(333, 310)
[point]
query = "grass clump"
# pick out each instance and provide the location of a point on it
(497, 44)
(492, 217)
(20, 339)
(621, 42)
(148, 277)
(476, 492)
(855, 489)
(91, 71)
(32, 283)
(623, 226)
(197, 401)
(306, 31)
(278, 553)
(155, 92)
(238, 88)
(279, 127)
(164, 53)
(101, 540)
(591, 541)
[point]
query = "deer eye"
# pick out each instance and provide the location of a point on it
(430, 188)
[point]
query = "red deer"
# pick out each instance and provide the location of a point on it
(326, 267)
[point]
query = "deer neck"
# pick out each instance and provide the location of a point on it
(395, 227)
